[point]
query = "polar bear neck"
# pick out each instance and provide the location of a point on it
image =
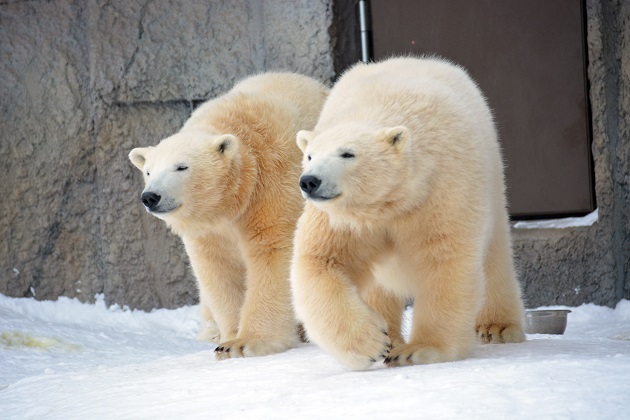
(372, 217)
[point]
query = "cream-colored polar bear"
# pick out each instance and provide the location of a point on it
(226, 184)
(405, 191)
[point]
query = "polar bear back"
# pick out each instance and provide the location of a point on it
(286, 101)
(398, 89)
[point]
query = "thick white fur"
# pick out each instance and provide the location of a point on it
(419, 211)
(234, 202)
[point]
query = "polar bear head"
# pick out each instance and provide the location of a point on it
(353, 167)
(187, 176)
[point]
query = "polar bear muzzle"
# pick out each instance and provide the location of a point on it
(310, 184)
(150, 200)
(155, 203)
(313, 188)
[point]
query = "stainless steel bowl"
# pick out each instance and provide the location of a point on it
(546, 321)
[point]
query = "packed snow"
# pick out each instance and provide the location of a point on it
(69, 360)
(566, 222)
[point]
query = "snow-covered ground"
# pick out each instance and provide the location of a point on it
(567, 222)
(69, 360)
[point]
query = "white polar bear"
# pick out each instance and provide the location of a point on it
(405, 192)
(226, 184)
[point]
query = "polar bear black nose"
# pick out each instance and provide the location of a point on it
(309, 183)
(150, 199)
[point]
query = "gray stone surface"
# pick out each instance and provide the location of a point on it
(163, 50)
(346, 36)
(152, 51)
(296, 37)
(82, 83)
(48, 221)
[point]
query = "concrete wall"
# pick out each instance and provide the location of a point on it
(83, 82)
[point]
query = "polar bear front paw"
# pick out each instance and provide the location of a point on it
(249, 348)
(495, 334)
(359, 345)
(365, 351)
(418, 354)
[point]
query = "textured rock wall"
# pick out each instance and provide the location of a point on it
(83, 82)
(49, 220)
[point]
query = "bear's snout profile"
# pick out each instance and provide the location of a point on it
(309, 184)
(150, 199)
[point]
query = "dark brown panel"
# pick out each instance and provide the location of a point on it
(528, 58)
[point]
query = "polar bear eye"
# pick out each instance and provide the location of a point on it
(182, 167)
(309, 157)
(347, 155)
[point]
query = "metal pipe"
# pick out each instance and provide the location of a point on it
(365, 25)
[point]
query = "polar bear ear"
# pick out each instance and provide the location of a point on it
(138, 156)
(302, 139)
(226, 144)
(396, 136)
